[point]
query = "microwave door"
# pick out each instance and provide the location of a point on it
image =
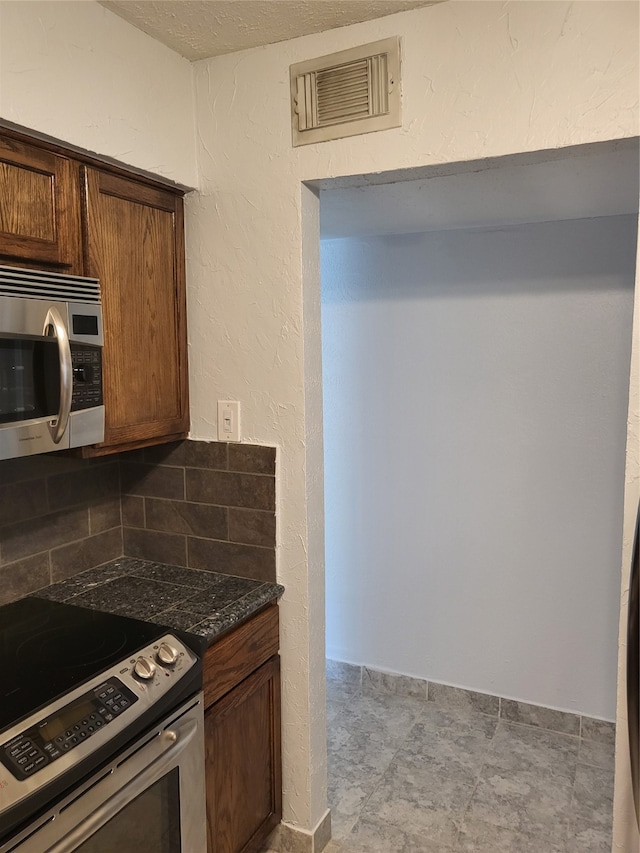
(36, 377)
(29, 380)
(51, 343)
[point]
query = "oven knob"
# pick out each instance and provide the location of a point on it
(167, 655)
(144, 668)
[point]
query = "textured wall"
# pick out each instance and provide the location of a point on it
(541, 75)
(476, 388)
(79, 73)
(479, 80)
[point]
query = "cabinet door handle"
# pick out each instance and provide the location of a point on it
(633, 670)
(55, 322)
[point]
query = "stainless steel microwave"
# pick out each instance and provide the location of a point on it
(51, 342)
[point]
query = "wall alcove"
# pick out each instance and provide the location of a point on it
(476, 347)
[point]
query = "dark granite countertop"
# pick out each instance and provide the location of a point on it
(203, 604)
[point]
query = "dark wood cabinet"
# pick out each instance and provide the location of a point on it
(39, 208)
(242, 736)
(134, 245)
(65, 211)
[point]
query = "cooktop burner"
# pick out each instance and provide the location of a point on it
(48, 648)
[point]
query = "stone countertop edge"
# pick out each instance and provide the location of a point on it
(203, 605)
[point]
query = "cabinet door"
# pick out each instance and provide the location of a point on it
(242, 743)
(39, 208)
(135, 246)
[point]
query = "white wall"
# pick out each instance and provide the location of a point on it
(476, 387)
(479, 80)
(75, 71)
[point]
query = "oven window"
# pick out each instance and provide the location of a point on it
(29, 379)
(148, 824)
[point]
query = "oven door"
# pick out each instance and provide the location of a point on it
(150, 799)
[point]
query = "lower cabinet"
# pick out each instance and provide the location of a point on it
(242, 737)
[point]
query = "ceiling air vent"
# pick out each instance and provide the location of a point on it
(347, 93)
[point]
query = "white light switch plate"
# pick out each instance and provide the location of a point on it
(228, 420)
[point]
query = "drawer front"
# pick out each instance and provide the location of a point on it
(237, 655)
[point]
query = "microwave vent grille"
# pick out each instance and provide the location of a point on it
(36, 284)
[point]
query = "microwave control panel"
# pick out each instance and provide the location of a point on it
(87, 376)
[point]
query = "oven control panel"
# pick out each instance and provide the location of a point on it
(69, 727)
(105, 705)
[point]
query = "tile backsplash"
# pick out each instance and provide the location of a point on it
(58, 516)
(206, 505)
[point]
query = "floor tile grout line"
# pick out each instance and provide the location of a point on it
(344, 702)
(383, 774)
(389, 763)
(475, 787)
(376, 786)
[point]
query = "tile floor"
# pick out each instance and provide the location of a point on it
(407, 776)
(411, 776)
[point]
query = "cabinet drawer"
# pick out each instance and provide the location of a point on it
(235, 657)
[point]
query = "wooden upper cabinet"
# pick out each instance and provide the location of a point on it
(63, 211)
(134, 243)
(39, 208)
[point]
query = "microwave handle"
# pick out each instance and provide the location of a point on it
(54, 321)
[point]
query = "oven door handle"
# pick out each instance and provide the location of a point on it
(54, 321)
(174, 741)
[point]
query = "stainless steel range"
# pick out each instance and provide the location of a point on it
(101, 734)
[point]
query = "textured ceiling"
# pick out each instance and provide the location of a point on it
(197, 29)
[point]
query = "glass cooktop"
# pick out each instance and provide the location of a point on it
(48, 648)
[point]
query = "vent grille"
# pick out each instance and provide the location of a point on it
(349, 92)
(355, 91)
(35, 284)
